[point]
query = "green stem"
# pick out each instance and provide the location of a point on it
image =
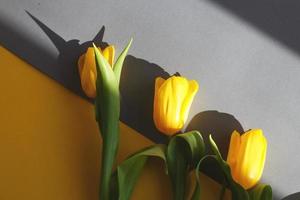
(107, 107)
(109, 151)
(109, 127)
(179, 176)
(222, 192)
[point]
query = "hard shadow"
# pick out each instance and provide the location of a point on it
(220, 126)
(279, 19)
(65, 69)
(137, 90)
(27, 49)
(137, 80)
(137, 86)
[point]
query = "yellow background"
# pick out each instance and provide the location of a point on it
(50, 145)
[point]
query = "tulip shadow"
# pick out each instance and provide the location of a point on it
(137, 80)
(137, 90)
(220, 126)
(65, 70)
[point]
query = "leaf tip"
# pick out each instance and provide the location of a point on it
(129, 43)
(211, 139)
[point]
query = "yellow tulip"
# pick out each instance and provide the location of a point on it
(246, 157)
(87, 68)
(172, 100)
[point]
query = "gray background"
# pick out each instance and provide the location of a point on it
(244, 54)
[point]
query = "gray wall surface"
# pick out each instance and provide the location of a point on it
(244, 54)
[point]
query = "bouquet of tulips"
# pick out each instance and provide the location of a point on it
(184, 153)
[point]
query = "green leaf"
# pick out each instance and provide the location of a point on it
(261, 192)
(237, 191)
(107, 109)
(104, 69)
(119, 63)
(129, 170)
(197, 190)
(215, 149)
(183, 152)
(195, 146)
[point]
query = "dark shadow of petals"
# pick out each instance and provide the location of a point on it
(220, 126)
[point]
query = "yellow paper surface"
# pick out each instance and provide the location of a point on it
(50, 144)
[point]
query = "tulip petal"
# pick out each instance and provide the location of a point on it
(172, 100)
(170, 97)
(157, 116)
(109, 54)
(187, 102)
(156, 111)
(158, 82)
(251, 158)
(81, 63)
(89, 61)
(88, 73)
(180, 88)
(161, 106)
(234, 146)
(258, 156)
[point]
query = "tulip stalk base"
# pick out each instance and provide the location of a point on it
(222, 192)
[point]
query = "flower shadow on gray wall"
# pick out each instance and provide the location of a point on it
(137, 81)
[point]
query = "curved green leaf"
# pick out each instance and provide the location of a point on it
(197, 190)
(237, 191)
(183, 153)
(129, 170)
(119, 63)
(261, 192)
(107, 109)
(195, 146)
(103, 67)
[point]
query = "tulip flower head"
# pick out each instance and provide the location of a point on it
(87, 68)
(172, 100)
(246, 157)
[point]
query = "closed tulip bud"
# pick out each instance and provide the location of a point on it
(246, 157)
(87, 68)
(172, 101)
